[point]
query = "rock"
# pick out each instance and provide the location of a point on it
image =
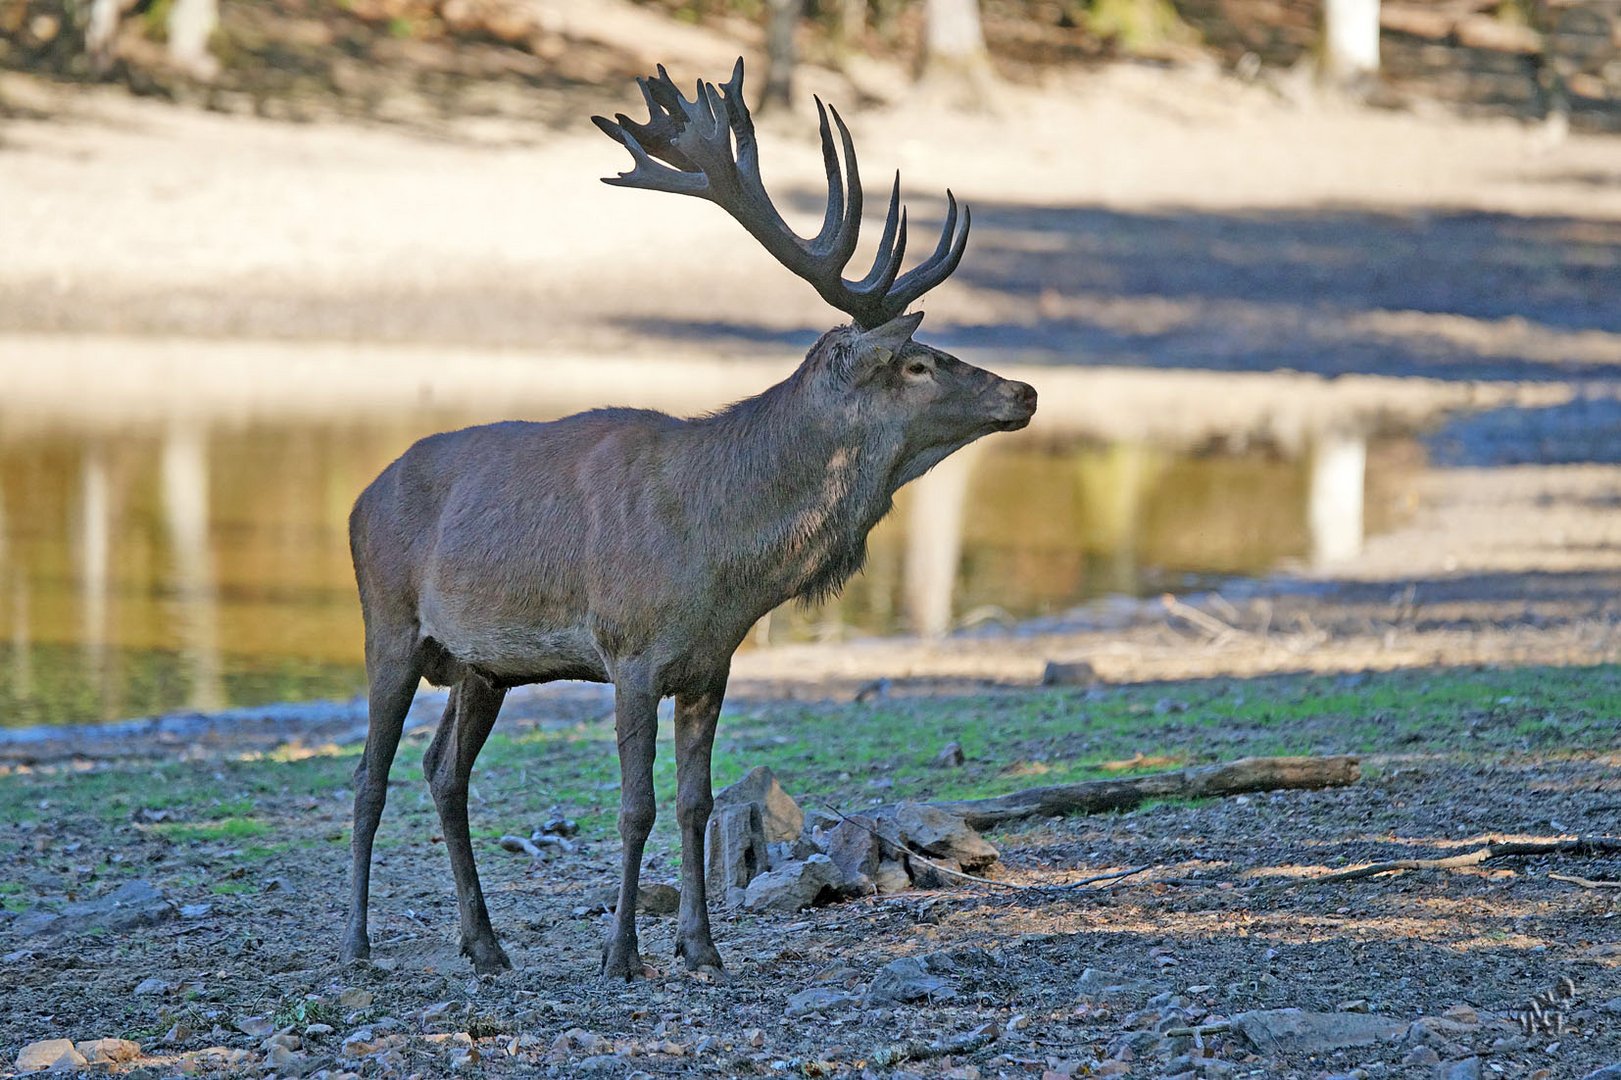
(658, 898)
(935, 873)
(1297, 1031)
(1439, 1034)
(780, 816)
(891, 877)
(853, 847)
(1097, 983)
(151, 985)
(1460, 1069)
(1609, 1072)
(907, 979)
(316, 1031)
(58, 1055)
(108, 1051)
(130, 906)
(734, 849)
(578, 1041)
(257, 1027)
(820, 999)
(941, 834)
(792, 886)
(1421, 1055)
(286, 1062)
(356, 998)
(1068, 673)
(950, 757)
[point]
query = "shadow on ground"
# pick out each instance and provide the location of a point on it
(1442, 294)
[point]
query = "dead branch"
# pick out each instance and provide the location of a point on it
(1586, 883)
(1585, 845)
(1098, 796)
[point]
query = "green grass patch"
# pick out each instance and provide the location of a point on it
(849, 755)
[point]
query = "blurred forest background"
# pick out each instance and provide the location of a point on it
(410, 59)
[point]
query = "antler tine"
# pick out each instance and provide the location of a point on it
(938, 266)
(836, 214)
(646, 172)
(891, 248)
(707, 147)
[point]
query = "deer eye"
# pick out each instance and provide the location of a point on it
(917, 367)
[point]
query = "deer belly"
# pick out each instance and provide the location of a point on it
(514, 651)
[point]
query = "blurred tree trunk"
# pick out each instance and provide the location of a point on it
(191, 24)
(781, 20)
(100, 33)
(1350, 41)
(954, 54)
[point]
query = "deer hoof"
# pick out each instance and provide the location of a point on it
(488, 957)
(624, 965)
(701, 956)
(354, 949)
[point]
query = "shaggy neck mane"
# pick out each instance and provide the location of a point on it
(800, 493)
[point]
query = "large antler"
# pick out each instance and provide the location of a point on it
(694, 141)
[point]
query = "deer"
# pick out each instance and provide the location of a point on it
(630, 547)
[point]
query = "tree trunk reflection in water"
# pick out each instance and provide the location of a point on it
(185, 513)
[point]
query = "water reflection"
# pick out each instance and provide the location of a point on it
(188, 565)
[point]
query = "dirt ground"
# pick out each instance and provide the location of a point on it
(1144, 219)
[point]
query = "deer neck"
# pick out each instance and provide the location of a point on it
(802, 489)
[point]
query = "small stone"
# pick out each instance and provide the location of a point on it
(316, 1031)
(54, 1054)
(907, 979)
(1421, 1055)
(1608, 1072)
(195, 911)
(819, 999)
(1068, 673)
(658, 898)
(1463, 1014)
(1460, 1069)
(891, 877)
(793, 886)
(151, 986)
(255, 1026)
(356, 998)
(1098, 983)
(285, 1061)
(754, 1037)
(108, 1051)
(951, 757)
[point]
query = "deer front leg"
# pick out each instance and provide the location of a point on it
(636, 726)
(695, 717)
(469, 716)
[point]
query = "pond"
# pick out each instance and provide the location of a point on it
(153, 563)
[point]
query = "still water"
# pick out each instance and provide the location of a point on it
(204, 563)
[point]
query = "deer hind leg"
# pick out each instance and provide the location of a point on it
(392, 674)
(469, 716)
(636, 726)
(695, 718)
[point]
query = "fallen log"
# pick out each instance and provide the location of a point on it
(1096, 796)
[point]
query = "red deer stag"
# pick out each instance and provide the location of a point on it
(632, 547)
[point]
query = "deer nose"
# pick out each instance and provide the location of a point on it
(1025, 395)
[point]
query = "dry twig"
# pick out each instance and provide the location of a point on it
(1586, 883)
(1589, 845)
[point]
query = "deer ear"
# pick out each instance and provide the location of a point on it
(883, 342)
